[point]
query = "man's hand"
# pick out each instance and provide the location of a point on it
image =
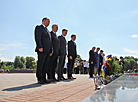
(91, 62)
(51, 53)
(70, 57)
(41, 49)
(100, 63)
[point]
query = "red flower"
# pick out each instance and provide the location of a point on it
(109, 68)
(107, 64)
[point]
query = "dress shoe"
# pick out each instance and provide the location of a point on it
(52, 80)
(59, 79)
(69, 77)
(73, 78)
(56, 79)
(64, 79)
(45, 81)
(41, 82)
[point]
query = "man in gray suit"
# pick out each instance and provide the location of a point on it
(62, 54)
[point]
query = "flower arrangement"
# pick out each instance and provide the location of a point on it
(106, 69)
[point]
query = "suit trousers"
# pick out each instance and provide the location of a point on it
(70, 67)
(76, 70)
(99, 69)
(91, 69)
(52, 66)
(42, 65)
(61, 66)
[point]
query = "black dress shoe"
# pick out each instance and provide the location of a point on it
(73, 78)
(69, 77)
(59, 79)
(56, 79)
(64, 79)
(45, 81)
(41, 82)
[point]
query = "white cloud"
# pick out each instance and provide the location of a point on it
(134, 36)
(6, 46)
(130, 51)
(5, 59)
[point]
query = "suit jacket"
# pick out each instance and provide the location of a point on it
(55, 43)
(92, 57)
(42, 39)
(62, 50)
(101, 59)
(72, 49)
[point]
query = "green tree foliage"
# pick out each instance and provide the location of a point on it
(79, 58)
(129, 62)
(20, 62)
(30, 62)
(115, 67)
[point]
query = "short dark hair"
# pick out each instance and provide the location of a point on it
(121, 57)
(54, 25)
(64, 30)
(45, 18)
(101, 51)
(73, 35)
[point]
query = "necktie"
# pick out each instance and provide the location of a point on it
(74, 43)
(48, 32)
(64, 39)
(55, 34)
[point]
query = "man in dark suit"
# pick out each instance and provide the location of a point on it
(100, 62)
(43, 49)
(121, 62)
(92, 61)
(72, 55)
(62, 54)
(54, 56)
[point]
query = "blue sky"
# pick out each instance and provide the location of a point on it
(108, 24)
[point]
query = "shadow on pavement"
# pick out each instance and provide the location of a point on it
(30, 86)
(23, 87)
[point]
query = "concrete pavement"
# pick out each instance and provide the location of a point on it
(23, 87)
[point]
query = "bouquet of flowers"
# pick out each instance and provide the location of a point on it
(106, 69)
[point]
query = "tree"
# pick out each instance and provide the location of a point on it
(132, 62)
(30, 62)
(79, 58)
(129, 62)
(19, 62)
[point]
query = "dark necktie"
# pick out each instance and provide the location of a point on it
(64, 39)
(48, 32)
(74, 43)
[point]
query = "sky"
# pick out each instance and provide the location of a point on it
(111, 25)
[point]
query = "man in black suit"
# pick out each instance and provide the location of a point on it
(43, 49)
(100, 62)
(92, 61)
(62, 54)
(121, 62)
(72, 55)
(54, 56)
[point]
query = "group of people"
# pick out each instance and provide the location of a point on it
(51, 48)
(96, 61)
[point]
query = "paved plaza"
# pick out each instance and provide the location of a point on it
(22, 87)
